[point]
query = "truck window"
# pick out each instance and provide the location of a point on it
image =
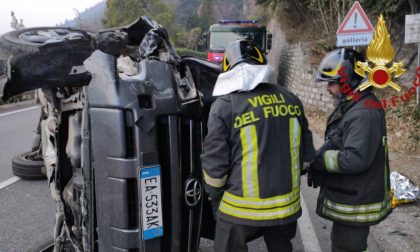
(220, 40)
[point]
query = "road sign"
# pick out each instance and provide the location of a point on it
(356, 28)
(412, 28)
(412, 35)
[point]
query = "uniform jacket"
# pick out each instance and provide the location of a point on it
(253, 154)
(357, 187)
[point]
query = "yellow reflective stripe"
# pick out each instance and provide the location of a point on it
(348, 209)
(294, 140)
(357, 217)
(268, 214)
(333, 72)
(331, 163)
(249, 163)
(245, 157)
(260, 57)
(215, 182)
(254, 171)
(258, 203)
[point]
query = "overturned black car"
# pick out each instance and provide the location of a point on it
(123, 134)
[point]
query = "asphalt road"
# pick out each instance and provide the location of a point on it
(16, 132)
(27, 210)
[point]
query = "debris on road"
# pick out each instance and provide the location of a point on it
(404, 191)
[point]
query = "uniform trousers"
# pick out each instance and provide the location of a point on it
(232, 237)
(345, 238)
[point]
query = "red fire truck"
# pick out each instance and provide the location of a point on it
(221, 34)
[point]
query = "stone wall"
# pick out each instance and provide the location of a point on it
(298, 76)
(294, 71)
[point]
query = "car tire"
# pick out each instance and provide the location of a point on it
(27, 40)
(27, 168)
(45, 57)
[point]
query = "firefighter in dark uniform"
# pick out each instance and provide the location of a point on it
(257, 141)
(352, 166)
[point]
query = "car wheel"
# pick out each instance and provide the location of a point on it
(45, 57)
(44, 39)
(28, 168)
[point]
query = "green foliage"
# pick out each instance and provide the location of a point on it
(193, 21)
(124, 12)
(207, 14)
(395, 9)
(188, 52)
(185, 22)
(324, 16)
(184, 10)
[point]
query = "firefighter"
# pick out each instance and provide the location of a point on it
(257, 140)
(352, 166)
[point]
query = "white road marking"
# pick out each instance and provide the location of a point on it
(307, 231)
(18, 111)
(9, 182)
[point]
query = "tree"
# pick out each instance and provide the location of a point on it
(79, 22)
(192, 39)
(414, 6)
(15, 24)
(124, 12)
(192, 21)
(185, 9)
(207, 14)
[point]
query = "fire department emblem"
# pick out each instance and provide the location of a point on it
(380, 54)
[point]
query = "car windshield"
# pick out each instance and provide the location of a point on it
(220, 40)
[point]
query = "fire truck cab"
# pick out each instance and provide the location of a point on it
(226, 31)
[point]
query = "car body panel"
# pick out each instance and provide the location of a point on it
(156, 116)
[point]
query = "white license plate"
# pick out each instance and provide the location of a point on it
(151, 202)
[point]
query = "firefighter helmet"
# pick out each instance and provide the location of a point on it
(334, 61)
(242, 50)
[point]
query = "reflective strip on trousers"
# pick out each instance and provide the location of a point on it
(348, 209)
(215, 182)
(294, 140)
(330, 158)
(260, 214)
(368, 217)
(258, 203)
(359, 213)
(249, 161)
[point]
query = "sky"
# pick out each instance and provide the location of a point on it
(40, 12)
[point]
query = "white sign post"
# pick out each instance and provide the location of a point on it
(412, 35)
(356, 28)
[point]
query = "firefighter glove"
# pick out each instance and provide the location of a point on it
(215, 196)
(316, 176)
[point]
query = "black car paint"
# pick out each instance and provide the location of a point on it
(132, 123)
